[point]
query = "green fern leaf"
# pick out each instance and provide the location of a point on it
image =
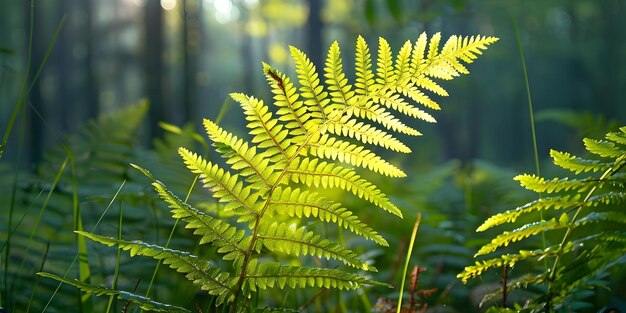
(595, 217)
(619, 138)
(576, 164)
(291, 110)
(225, 186)
(243, 157)
(366, 134)
(402, 69)
(363, 65)
(393, 100)
(343, 151)
(311, 90)
(384, 72)
(142, 302)
(227, 239)
(317, 174)
(379, 114)
(266, 131)
(288, 238)
(200, 272)
(511, 259)
(541, 185)
(270, 275)
(299, 203)
(555, 203)
(518, 234)
(603, 148)
(341, 92)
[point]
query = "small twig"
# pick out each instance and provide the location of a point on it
(505, 276)
(127, 305)
(311, 299)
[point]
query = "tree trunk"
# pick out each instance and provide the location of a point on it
(153, 64)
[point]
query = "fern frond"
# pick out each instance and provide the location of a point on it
(225, 186)
(226, 238)
(555, 203)
(379, 114)
(363, 67)
(291, 110)
(518, 234)
(603, 148)
(445, 64)
(619, 138)
(430, 85)
(367, 134)
(311, 89)
(384, 72)
(317, 174)
(343, 151)
(413, 93)
(266, 131)
(341, 92)
(541, 185)
(290, 239)
(271, 274)
(510, 260)
(402, 69)
(596, 217)
(242, 157)
(576, 164)
(393, 100)
(200, 272)
(142, 302)
(298, 203)
(594, 253)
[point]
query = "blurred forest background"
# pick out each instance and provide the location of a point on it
(185, 56)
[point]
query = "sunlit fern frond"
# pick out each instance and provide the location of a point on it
(574, 206)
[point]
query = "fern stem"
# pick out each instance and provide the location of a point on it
(408, 259)
(619, 164)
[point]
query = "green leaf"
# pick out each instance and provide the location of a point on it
(142, 302)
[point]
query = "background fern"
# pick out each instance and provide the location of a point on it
(310, 143)
(579, 252)
(100, 151)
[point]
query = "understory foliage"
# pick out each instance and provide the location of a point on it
(71, 189)
(273, 188)
(581, 219)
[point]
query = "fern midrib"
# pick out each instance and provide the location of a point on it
(281, 85)
(311, 244)
(269, 134)
(236, 196)
(222, 237)
(214, 279)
